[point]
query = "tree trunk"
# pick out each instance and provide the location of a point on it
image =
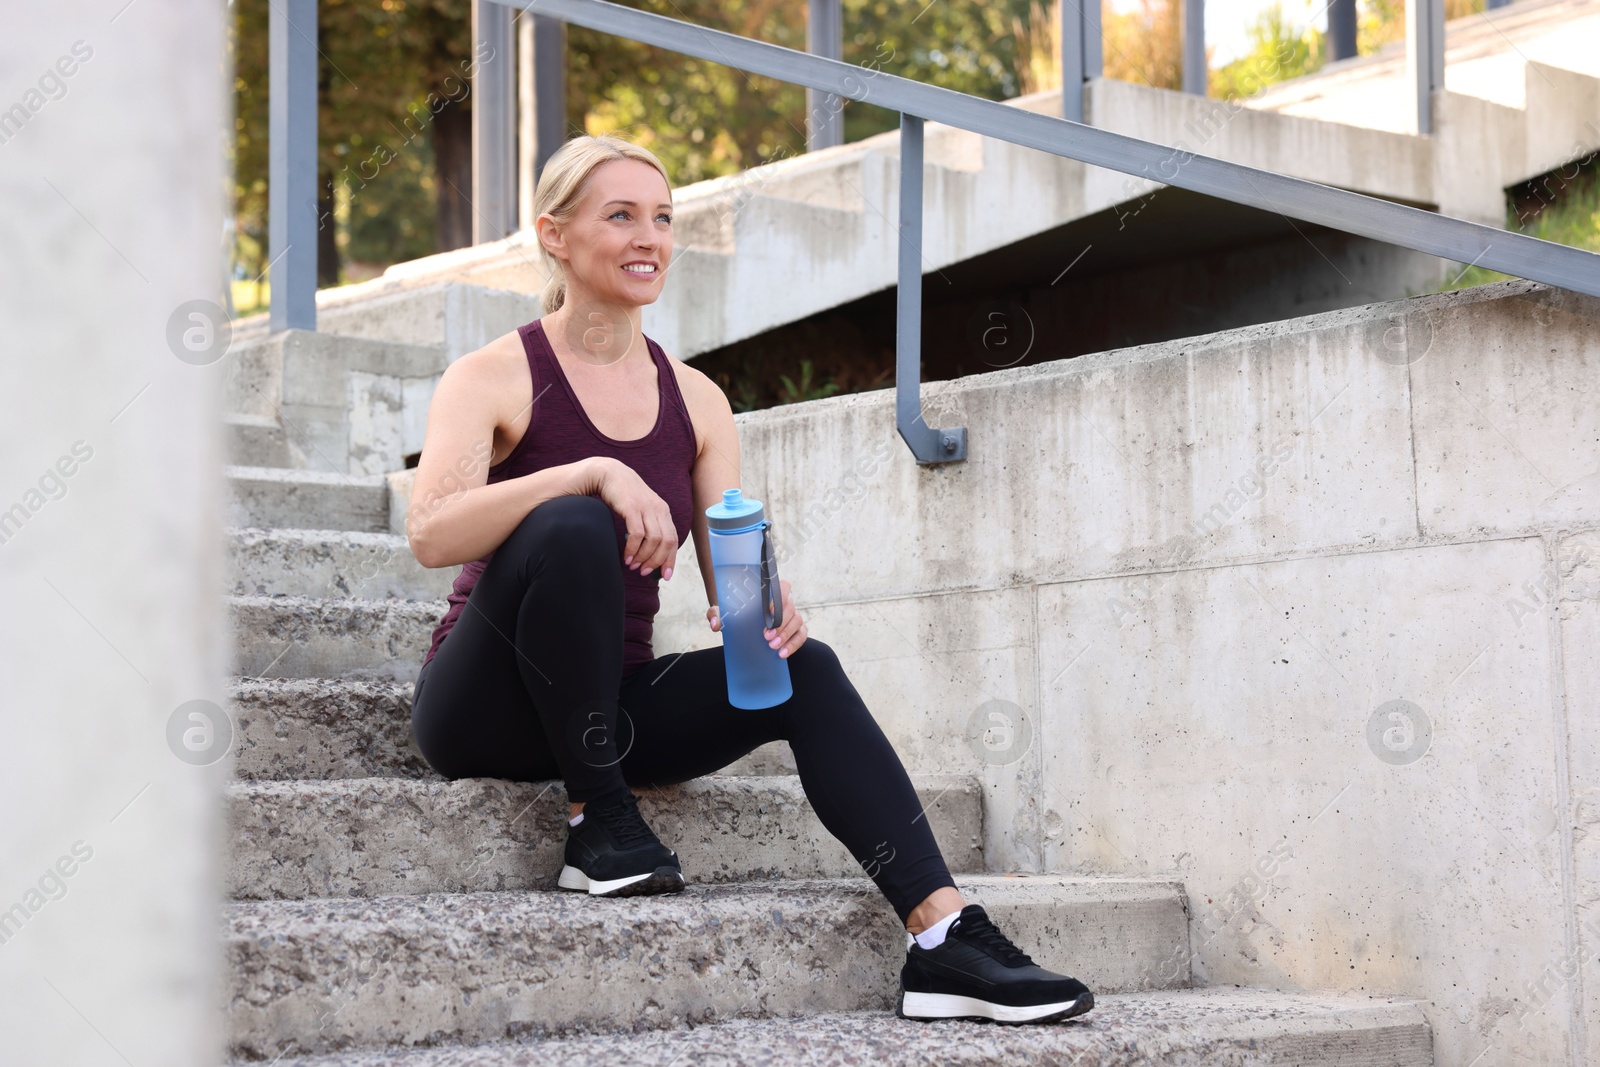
(452, 156)
(327, 233)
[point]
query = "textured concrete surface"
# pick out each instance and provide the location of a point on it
(307, 499)
(371, 836)
(1505, 414)
(347, 404)
(1274, 724)
(451, 318)
(255, 441)
(321, 563)
(1568, 598)
(305, 637)
(1169, 1028)
(323, 728)
(403, 970)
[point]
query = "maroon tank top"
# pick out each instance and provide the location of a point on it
(559, 432)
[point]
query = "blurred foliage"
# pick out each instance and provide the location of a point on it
(1279, 50)
(705, 120)
(1145, 46)
(380, 61)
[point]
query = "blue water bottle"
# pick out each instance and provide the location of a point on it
(749, 601)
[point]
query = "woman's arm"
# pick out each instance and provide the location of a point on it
(455, 516)
(716, 468)
(716, 464)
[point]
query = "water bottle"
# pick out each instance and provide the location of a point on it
(749, 601)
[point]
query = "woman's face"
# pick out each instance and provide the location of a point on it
(618, 245)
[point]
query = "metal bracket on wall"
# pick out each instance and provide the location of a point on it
(926, 443)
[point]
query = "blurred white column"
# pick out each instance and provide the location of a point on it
(112, 186)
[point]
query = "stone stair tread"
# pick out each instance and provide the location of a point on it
(383, 835)
(345, 637)
(1217, 1025)
(302, 728)
(285, 561)
(305, 475)
(326, 975)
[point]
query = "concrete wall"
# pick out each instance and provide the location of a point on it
(111, 181)
(1304, 614)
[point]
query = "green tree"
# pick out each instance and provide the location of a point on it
(1279, 50)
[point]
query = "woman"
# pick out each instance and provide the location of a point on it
(564, 464)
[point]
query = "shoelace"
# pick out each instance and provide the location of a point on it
(622, 818)
(977, 928)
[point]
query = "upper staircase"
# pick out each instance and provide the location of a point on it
(788, 239)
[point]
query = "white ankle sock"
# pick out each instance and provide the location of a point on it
(933, 936)
(576, 819)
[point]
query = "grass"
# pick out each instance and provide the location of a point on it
(1562, 206)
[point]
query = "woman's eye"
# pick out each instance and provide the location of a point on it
(665, 216)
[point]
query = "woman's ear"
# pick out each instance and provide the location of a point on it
(550, 237)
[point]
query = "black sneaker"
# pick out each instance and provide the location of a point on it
(612, 853)
(977, 973)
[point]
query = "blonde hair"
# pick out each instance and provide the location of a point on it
(561, 187)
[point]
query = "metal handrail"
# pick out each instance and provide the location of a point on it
(1380, 220)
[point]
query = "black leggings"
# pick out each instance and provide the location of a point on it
(528, 686)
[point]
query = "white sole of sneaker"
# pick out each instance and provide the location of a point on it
(951, 1006)
(572, 878)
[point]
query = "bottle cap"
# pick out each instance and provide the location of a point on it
(735, 514)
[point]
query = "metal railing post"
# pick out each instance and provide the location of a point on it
(1341, 30)
(292, 165)
(1425, 56)
(824, 111)
(927, 444)
(541, 103)
(494, 122)
(1194, 47)
(1082, 53)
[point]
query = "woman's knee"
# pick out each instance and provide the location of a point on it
(819, 679)
(569, 525)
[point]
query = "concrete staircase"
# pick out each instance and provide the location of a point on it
(380, 914)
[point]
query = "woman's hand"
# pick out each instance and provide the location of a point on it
(786, 638)
(652, 538)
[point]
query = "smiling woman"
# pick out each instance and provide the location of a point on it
(605, 454)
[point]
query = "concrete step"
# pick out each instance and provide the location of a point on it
(307, 499)
(312, 637)
(320, 976)
(322, 563)
(254, 441)
(1214, 1026)
(368, 837)
(321, 728)
(297, 728)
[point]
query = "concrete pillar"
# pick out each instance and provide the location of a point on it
(1341, 29)
(1194, 47)
(541, 103)
(111, 556)
(1425, 56)
(494, 122)
(824, 111)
